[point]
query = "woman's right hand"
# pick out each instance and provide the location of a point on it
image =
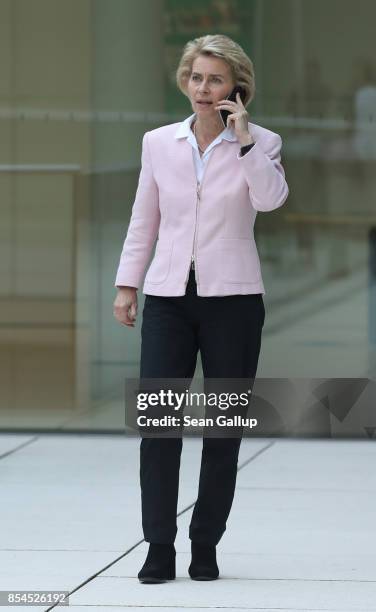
(125, 305)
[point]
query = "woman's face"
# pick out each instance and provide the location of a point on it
(210, 81)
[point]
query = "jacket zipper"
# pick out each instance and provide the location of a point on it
(193, 261)
(192, 265)
(194, 254)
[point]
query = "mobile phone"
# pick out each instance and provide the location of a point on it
(232, 96)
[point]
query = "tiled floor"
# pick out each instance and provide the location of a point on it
(301, 534)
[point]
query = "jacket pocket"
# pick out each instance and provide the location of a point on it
(160, 265)
(239, 260)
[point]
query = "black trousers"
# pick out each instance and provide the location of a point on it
(227, 331)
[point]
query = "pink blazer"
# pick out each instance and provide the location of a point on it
(215, 221)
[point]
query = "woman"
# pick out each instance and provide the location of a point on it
(200, 187)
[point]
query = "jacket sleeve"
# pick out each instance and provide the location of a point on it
(265, 175)
(143, 226)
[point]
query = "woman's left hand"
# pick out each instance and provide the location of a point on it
(238, 119)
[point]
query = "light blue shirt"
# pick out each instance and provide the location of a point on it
(184, 131)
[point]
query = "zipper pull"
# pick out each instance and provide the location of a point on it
(198, 190)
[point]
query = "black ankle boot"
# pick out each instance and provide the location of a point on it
(159, 565)
(204, 563)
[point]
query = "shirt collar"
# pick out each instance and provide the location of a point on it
(184, 130)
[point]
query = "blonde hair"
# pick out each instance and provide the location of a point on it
(218, 45)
